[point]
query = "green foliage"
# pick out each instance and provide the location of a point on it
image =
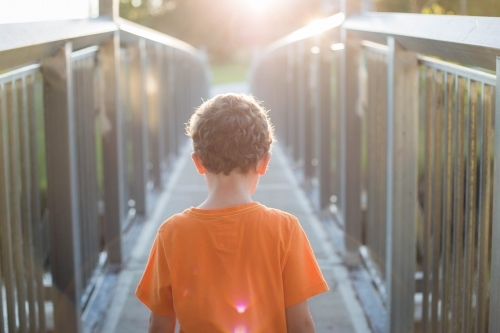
(441, 7)
(229, 72)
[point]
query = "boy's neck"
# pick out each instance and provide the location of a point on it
(229, 190)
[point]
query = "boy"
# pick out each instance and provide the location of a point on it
(231, 264)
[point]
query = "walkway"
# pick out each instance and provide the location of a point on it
(335, 311)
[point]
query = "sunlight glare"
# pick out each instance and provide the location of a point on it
(337, 46)
(317, 27)
(259, 6)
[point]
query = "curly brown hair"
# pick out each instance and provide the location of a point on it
(230, 131)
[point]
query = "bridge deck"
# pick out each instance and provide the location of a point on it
(334, 311)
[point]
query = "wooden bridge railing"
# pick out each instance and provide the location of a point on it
(403, 151)
(91, 119)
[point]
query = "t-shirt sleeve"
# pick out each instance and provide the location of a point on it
(302, 276)
(155, 287)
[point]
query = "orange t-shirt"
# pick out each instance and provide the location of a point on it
(230, 270)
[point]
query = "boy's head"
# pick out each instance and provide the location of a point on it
(230, 131)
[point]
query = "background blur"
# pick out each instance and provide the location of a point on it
(230, 30)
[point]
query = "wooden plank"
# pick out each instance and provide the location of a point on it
(301, 103)
(154, 117)
(109, 62)
(494, 315)
(350, 155)
(15, 204)
(79, 98)
(436, 210)
(371, 115)
(448, 201)
(63, 202)
(485, 203)
(309, 102)
(470, 212)
(26, 212)
(138, 106)
(171, 90)
(402, 102)
(94, 196)
(35, 202)
(458, 239)
(324, 125)
(429, 167)
(468, 40)
(5, 219)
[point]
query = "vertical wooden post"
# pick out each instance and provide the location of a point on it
(109, 62)
(290, 100)
(154, 110)
(350, 139)
(350, 152)
(172, 138)
(301, 83)
(309, 130)
(138, 107)
(402, 157)
(494, 321)
(63, 190)
(6, 241)
(324, 121)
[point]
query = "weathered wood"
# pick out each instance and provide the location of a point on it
(469, 40)
(350, 153)
(172, 137)
(323, 126)
(290, 103)
(63, 190)
(402, 125)
(35, 202)
(26, 206)
(310, 90)
(5, 216)
(28, 42)
(154, 114)
(138, 107)
(15, 203)
(494, 315)
(109, 62)
(302, 77)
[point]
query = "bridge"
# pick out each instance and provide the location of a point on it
(388, 153)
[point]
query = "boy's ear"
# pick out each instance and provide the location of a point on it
(198, 164)
(263, 164)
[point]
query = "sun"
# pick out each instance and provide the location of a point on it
(258, 6)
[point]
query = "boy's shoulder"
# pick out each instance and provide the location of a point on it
(276, 216)
(282, 214)
(174, 221)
